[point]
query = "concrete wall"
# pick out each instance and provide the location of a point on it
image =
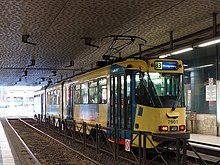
(204, 124)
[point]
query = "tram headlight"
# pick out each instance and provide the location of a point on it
(163, 128)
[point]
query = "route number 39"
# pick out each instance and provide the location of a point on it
(158, 65)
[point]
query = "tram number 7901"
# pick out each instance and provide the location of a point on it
(172, 121)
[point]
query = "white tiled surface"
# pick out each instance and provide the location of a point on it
(17, 111)
(6, 157)
(205, 139)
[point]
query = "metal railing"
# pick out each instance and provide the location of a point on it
(107, 140)
(193, 146)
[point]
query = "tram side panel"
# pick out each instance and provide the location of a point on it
(54, 101)
(90, 97)
(39, 103)
(68, 108)
(90, 102)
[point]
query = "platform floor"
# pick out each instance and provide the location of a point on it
(214, 140)
(6, 157)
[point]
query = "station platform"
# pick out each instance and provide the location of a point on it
(206, 139)
(12, 149)
(206, 144)
(8, 155)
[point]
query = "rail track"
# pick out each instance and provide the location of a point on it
(47, 149)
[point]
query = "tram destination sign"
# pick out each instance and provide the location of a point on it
(165, 65)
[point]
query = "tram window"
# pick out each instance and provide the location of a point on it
(116, 100)
(57, 96)
(93, 92)
(122, 103)
(102, 91)
(53, 97)
(49, 96)
(103, 81)
(77, 94)
(128, 113)
(165, 84)
(167, 87)
(111, 102)
(142, 87)
(84, 93)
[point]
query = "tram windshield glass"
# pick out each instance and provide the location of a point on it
(159, 89)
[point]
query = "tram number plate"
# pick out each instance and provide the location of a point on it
(172, 121)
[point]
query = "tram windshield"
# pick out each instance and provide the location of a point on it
(159, 89)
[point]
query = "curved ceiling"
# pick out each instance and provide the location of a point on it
(56, 30)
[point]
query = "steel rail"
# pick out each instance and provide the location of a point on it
(24, 144)
(77, 152)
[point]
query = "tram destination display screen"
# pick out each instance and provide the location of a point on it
(165, 65)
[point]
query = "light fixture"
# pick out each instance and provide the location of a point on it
(165, 55)
(211, 41)
(25, 73)
(54, 73)
(32, 63)
(182, 50)
(199, 67)
(25, 38)
(176, 51)
(205, 66)
(88, 41)
(71, 64)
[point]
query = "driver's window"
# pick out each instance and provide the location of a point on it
(141, 89)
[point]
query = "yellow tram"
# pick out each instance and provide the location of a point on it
(135, 94)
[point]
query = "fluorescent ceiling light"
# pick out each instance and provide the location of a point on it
(182, 50)
(178, 51)
(207, 43)
(205, 66)
(188, 69)
(164, 56)
(199, 67)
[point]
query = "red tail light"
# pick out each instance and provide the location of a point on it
(182, 127)
(163, 128)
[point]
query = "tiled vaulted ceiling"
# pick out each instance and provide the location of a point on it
(58, 26)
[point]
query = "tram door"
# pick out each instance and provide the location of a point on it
(120, 114)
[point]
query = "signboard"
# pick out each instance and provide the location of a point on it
(211, 81)
(210, 92)
(117, 69)
(165, 65)
(127, 145)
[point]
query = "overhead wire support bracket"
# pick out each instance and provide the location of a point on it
(88, 41)
(24, 39)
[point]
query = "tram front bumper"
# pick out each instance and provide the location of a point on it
(160, 137)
